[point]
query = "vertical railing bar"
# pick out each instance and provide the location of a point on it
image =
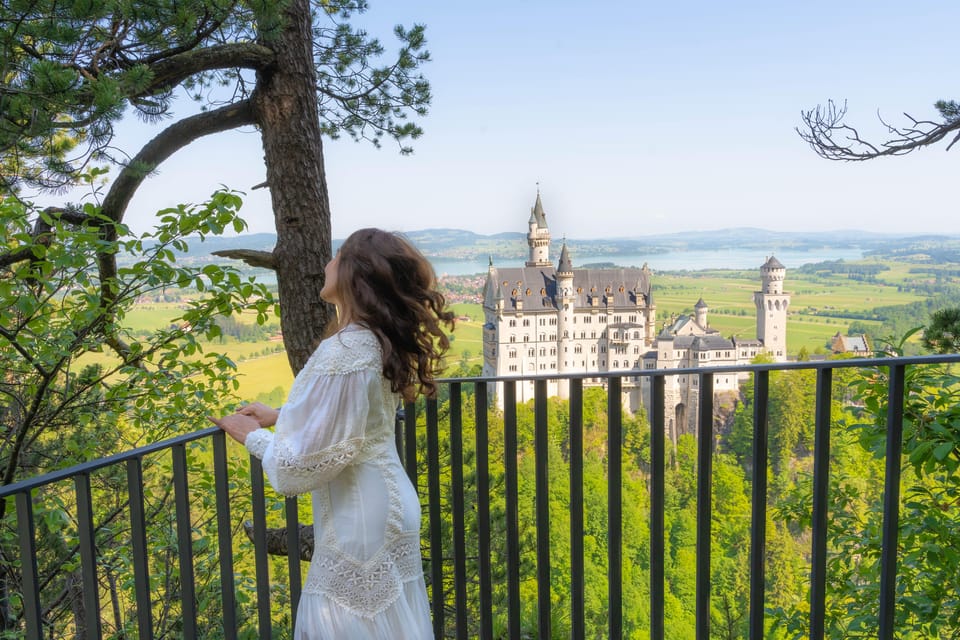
(225, 536)
(657, 484)
(891, 502)
(436, 531)
(704, 504)
(758, 521)
(32, 612)
(512, 507)
(542, 500)
(86, 532)
(821, 470)
(188, 600)
(483, 510)
(292, 513)
(138, 535)
(459, 528)
(410, 441)
(262, 567)
(577, 589)
(615, 508)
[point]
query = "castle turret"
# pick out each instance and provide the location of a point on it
(700, 309)
(538, 236)
(772, 305)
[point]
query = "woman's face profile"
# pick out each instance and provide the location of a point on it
(329, 291)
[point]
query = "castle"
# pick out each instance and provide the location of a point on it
(542, 319)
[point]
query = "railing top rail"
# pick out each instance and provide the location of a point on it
(860, 363)
(100, 463)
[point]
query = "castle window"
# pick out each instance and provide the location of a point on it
(513, 367)
(543, 322)
(603, 319)
(617, 319)
(636, 349)
(587, 320)
(633, 318)
(566, 334)
(528, 291)
(553, 336)
(553, 365)
(531, 352)
(636, 335)
(512, 323)
(553, 351)
(526, 338)
(578, 349)
(543, 291)
(513, 338)
(526, 322)
(513, 354)
(593, 334)
(553, 321)
(593, 348)
(583, 334)
(543, 352)
(543, 337)
(603, 348)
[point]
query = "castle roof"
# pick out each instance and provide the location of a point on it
(537, 215)
(565, 266)
(772, 263)
(700, 304)
(536, 287)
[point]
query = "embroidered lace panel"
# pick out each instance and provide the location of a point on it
(366, 588)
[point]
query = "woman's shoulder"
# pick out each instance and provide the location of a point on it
(353, 348)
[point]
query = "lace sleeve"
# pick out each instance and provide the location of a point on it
(323, 424)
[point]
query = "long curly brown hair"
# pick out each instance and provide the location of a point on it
(386, 285)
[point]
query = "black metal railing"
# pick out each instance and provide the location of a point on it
(453, 541)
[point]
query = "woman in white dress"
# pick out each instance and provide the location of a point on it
(334, 438)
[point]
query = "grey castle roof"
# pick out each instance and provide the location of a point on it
(565, 266)
(772, 263)
(700, 304)
(537, 214)
(536, 287)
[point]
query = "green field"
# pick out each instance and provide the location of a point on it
(818, 306)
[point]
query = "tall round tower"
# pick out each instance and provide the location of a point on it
(772, 305)
(538, 236)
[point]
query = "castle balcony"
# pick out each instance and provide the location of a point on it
(502, 558)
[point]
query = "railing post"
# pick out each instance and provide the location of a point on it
(436, 545)
(188, 599)
(758, 522)
(483, 510)
(228, 592)
(512, 507)
(28, 565)
(704, 504)
(138, 535)
(291, 512)
(542, 499)
(577, 614)
(410, 441)
(459, 529)
(657, 471)
(821, 483)
(614, 508)
(88, 557)
(262, 568)
(891, 502)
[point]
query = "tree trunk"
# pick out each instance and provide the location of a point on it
(285, 107)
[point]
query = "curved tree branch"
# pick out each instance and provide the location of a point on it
(170, 72)
(826, 133)
(41, 231)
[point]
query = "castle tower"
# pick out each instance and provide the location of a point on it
(701, 313)
(772, 305)
(538, 236)
(565, 307)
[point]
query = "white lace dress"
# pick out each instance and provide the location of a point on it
(335, 438)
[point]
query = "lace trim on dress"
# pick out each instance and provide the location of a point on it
(257, 442)
(369, 588)
(317, 466)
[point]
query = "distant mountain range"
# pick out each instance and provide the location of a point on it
(460, 244)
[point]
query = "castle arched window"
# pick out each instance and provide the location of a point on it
(514, 293)
(528, 290)
(543, 291)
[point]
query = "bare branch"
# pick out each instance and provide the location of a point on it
(831, 138)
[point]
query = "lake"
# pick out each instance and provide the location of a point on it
(673, 260)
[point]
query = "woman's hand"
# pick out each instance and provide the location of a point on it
(236, 425)
(264, 415)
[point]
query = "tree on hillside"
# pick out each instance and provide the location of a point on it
(827, 134)
(295, 69)
(942, 334)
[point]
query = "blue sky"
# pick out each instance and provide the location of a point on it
(634, 118)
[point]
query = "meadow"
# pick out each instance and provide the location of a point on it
(822, 304)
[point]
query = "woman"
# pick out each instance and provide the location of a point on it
(334, 437)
